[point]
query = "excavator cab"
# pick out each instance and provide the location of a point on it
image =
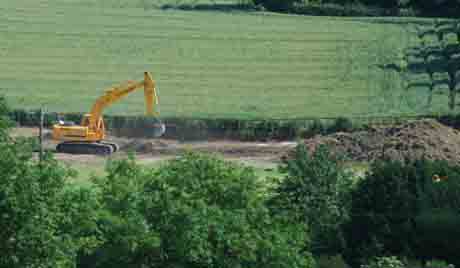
(85, 120)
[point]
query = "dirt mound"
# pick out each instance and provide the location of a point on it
(412, 140)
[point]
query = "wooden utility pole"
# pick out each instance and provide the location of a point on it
(40, 135)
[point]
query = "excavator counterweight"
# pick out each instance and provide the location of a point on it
(88, 137)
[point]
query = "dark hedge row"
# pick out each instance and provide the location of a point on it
(235, 129)
(202, 129)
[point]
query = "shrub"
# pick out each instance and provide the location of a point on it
(341, 124)
(315, 191)
(126, 239)
(326, 261)
(31, 210)
(381, 213)
(316, 127)
(439, 217)
(5, 122)
(276, 5)
(209, 213)
(195, 211)
(384, 262)
(81, 206)
(437, 264)
(400, 209)
(39, 223)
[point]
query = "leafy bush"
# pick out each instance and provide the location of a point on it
(81, 206)
(327, 261)
(5, 122)
(126, 239)
(209, 213)
(276, 5)
(195, 211)
(316, 127)
(439, 217)
(384, 262)
(32, 215)
(437, 264)
(315, 191)
(381, 213)
(400, 208)
(341, 124)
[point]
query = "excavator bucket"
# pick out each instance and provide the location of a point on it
(158, 128)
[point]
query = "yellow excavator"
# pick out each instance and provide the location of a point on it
(88, 137)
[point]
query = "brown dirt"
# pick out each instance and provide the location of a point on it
(413, 140)
(233, 148)
(153, 150)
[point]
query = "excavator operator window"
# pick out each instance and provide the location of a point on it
(66, 123)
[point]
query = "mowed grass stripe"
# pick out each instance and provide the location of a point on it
(208, 64)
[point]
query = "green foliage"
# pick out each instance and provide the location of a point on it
(35, 231)
(439, 8)
(341, 124)
(401, 208)
(325, 261)
(5, 122)
(449, 8)
(127, 241)
(437, 264)
(439, 217)
(381, 213)
(315, 191)
(81, 206)
(195, 211)
(198, 129)
(385, 262)
(316, 127)
(209, 213)
(276, 5)
(438, 235)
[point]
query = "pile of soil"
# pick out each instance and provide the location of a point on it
(413, 140)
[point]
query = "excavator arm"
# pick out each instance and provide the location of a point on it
(116, 93)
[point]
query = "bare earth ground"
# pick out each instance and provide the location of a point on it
(423, 138)
(263, 156)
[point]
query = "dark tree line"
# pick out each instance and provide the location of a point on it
(424, 7)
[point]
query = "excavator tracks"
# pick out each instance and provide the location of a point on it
(96, 148)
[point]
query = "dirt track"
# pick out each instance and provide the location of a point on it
(423, 138)
(261, 155)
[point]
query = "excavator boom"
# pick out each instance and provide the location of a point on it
(116, 93)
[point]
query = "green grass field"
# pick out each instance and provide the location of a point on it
(63, 54)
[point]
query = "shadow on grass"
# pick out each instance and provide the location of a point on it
(210, 7)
